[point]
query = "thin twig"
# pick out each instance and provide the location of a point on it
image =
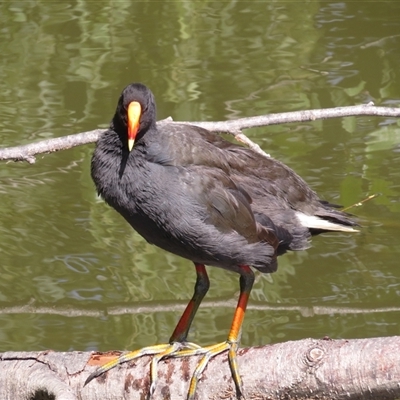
(360, 203)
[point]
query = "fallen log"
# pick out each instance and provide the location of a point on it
(304, 369)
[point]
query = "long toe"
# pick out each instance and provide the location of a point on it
(170, 351)
(159, 351)
(208, 353)
(146, 351)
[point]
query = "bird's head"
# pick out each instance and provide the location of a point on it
(135, 114)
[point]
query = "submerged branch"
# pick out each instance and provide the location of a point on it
(305, 311)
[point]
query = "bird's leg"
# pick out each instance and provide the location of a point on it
(179, 336)
(177, 341)
(231, 344)
(200, 289)
(246, 284)
(179, 347)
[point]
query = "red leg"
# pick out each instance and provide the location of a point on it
(232, 343)
(179, 335)
(200, 289)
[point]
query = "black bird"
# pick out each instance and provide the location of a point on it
(196, 195)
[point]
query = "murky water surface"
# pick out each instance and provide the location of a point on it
(74, 275)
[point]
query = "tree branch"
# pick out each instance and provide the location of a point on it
(305, 369)
(234, 127)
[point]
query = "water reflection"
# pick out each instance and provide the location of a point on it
(62, 68)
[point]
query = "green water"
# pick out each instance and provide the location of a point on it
(74, 275)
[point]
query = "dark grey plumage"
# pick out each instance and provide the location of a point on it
(194, 194)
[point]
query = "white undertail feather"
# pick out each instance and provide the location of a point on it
(313, 222)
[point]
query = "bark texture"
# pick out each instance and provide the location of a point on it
(305, 369)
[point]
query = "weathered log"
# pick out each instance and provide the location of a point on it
(305, 369)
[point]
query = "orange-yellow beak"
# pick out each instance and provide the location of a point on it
(134, 112)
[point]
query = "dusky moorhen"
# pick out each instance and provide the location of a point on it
(196, 195)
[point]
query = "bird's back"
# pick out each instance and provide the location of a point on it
(280, 199)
